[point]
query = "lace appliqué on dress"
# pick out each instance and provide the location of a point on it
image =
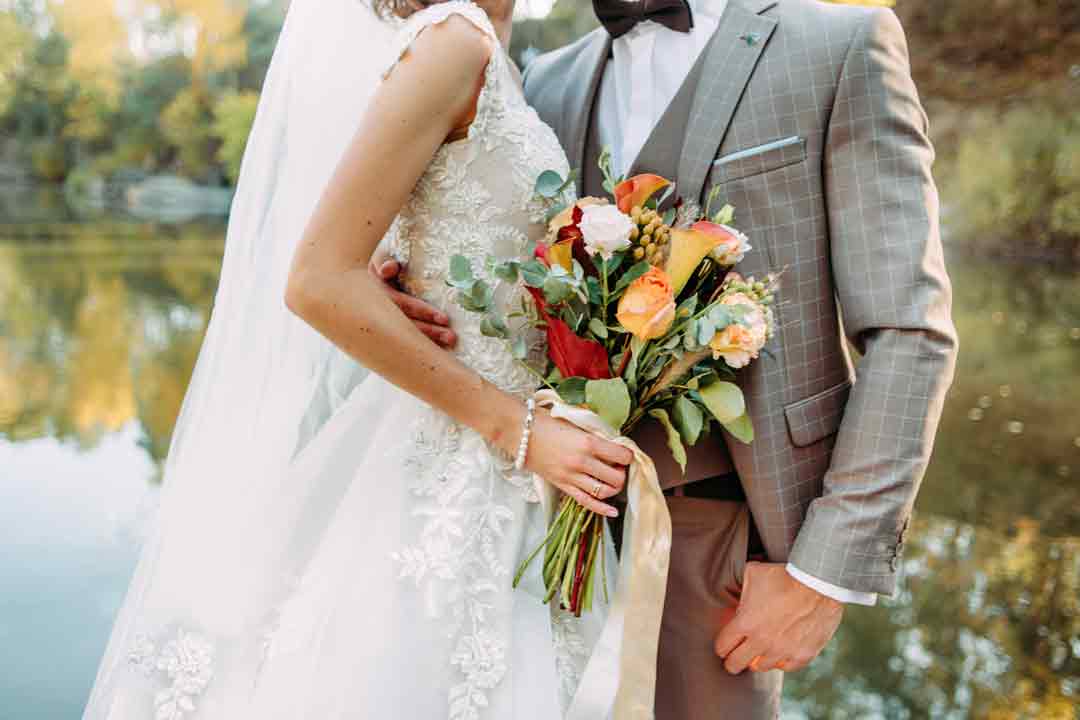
(571, 652)
(456, 559)
(184, 665)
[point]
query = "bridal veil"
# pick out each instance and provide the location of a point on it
(231, 531)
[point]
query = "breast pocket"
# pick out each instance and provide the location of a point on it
(759, 159)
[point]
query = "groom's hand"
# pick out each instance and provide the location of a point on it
(780, 623)
(431, 322)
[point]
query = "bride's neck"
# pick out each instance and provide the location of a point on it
(503, 28)
(501, 14)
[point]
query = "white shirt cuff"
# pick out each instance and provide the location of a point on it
(835, 592)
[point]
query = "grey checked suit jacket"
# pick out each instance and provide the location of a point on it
(807, 117)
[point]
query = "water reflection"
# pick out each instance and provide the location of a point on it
(100, 330)
(100, 327)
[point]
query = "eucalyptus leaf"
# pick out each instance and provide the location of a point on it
(701, 379)
(721, 315)
(671, 343)
(737, 313)
(633, 274)
(493, 326)
(507, 271)
(596, 294)
(609, 399)
(688, 419)
(572, 390)
(669, 216)
(598, 328)
(741, 428)
(478, 298)
(533, 273)
(705, 331)
(636, 346)
(518, 348)
(556, 290)
(690, 335)
(673, 439)
(553, 211)
(549, 184)
(724, 400)
(461, 274)
(688, 306)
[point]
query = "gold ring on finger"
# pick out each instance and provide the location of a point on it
(596, 489)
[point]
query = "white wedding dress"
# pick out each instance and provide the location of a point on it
(397, 531)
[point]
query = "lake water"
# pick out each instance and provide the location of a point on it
(101, 321)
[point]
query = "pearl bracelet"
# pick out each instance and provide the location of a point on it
(526, 431)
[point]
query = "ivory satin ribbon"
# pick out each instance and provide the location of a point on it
(619, 681)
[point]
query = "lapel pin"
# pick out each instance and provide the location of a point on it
(750, 38)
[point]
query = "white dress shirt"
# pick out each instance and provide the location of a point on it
(648, 66)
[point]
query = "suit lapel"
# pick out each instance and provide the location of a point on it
(581, 97)
(733, 53)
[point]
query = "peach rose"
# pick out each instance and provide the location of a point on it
(647, 309)
(740, 342)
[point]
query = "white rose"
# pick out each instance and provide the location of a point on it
(605, 229)
(732, 249)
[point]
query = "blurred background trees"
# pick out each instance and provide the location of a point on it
(171, 86)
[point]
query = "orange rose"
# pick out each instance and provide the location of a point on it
(647, 309)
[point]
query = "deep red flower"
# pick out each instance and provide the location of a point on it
(574, 356)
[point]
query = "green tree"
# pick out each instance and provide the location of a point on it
(1025, 192)
(234, 115)
(187, 124)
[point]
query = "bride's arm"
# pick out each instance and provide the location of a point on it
(428, 97)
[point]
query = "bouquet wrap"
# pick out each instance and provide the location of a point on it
(620, 677)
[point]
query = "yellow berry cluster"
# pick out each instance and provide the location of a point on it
(650, 234)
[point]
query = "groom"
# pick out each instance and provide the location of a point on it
(805, 116)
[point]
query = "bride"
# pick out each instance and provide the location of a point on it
(334, 543)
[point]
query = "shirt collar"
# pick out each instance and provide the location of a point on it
(710, 8)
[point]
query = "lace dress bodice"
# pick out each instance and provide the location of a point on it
(476, 199)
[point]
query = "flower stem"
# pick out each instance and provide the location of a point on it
(603, 290)
(556, 525)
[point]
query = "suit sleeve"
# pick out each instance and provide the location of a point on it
(895, 302)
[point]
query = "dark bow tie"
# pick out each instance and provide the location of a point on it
(620, 16)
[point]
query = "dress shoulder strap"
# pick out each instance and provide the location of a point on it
(433, 15)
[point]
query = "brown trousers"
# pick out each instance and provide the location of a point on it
(710, 542)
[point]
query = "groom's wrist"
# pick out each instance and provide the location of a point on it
(840, 594)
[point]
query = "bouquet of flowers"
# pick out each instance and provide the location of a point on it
(643, 320)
